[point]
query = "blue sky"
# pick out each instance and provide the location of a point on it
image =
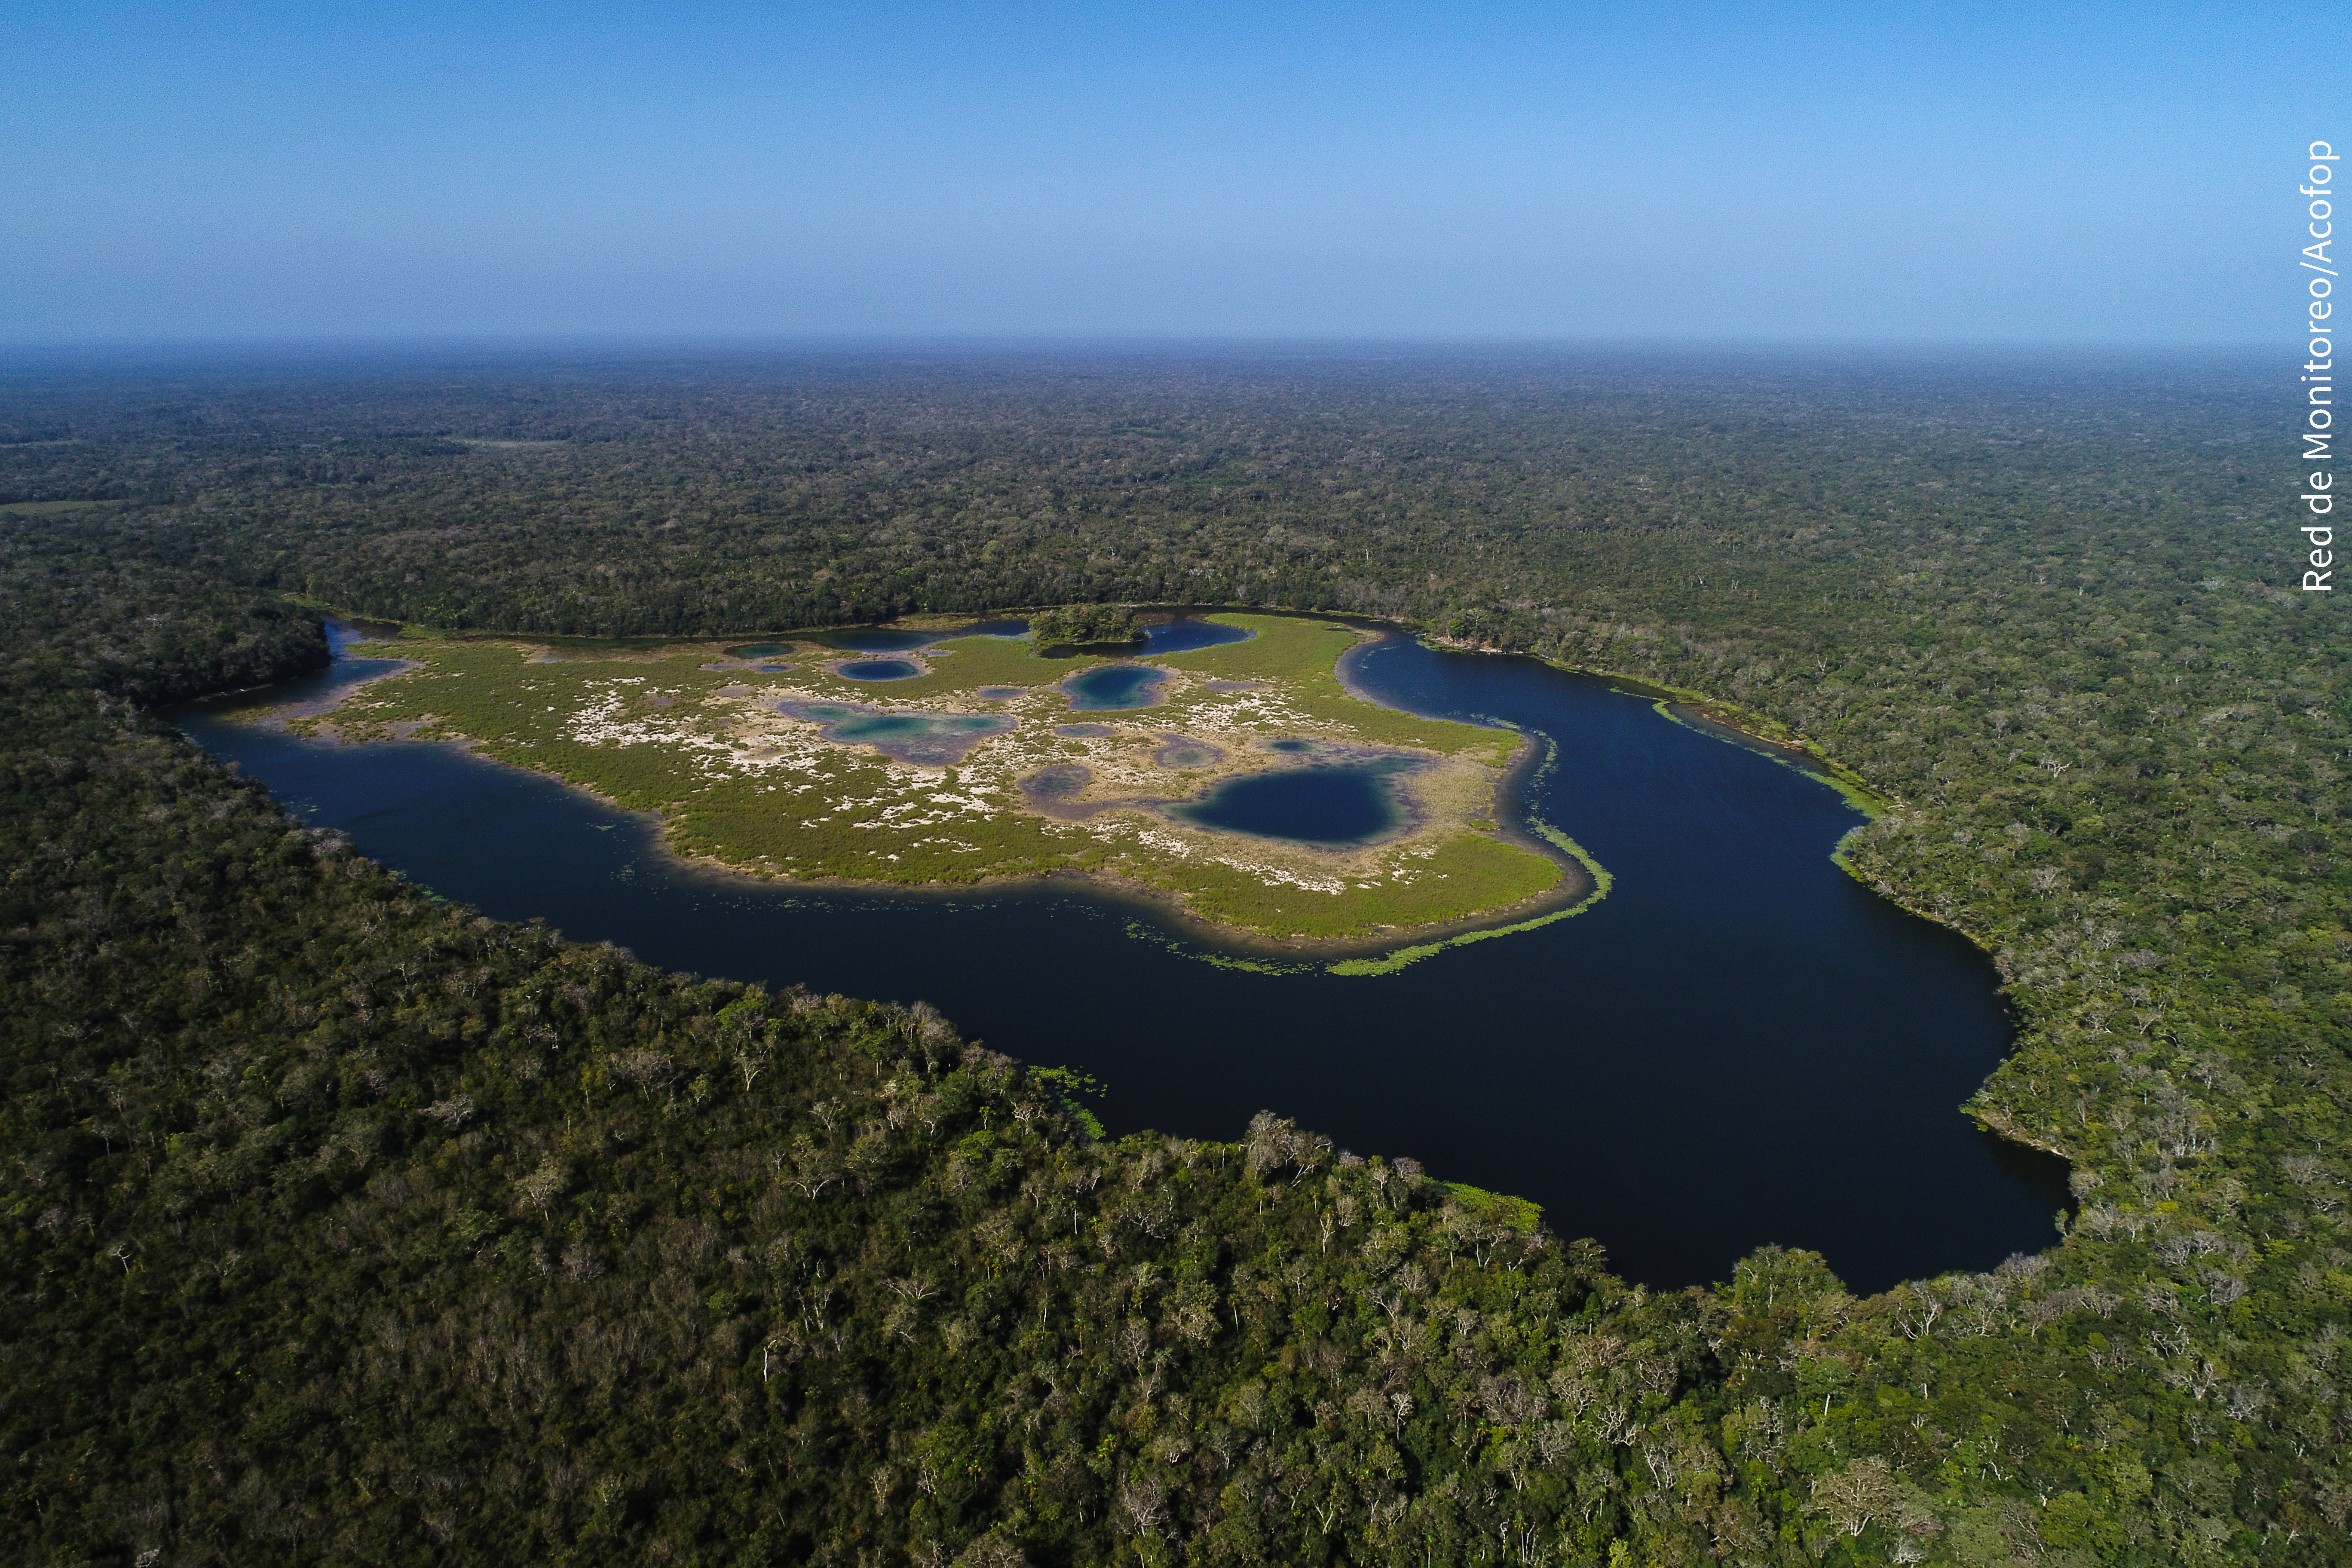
(1700, 173)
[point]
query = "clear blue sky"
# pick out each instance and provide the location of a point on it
(2018, 172)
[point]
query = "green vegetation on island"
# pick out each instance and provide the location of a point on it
(727, 753)
(1086, 626)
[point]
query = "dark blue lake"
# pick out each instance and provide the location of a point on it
(1333, 805)
(1182, 636)
(878, 669)
(1739, 1044)
(1113, 685)
(896, 639)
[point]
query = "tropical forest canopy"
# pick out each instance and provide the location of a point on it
(343, 1224)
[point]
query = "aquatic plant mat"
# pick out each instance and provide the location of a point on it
(777, 766)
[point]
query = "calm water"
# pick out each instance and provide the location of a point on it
(1739, 1044)
(932, 740)
(1346, 803)
(1113, 685)
(878, 669)
(1184, 635)
(893, 640)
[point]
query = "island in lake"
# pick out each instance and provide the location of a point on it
(1222, 764)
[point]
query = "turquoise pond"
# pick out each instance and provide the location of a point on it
(878, 669)
(1114, 685)
(932, 740)
(1330, 806)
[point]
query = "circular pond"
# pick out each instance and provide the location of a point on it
(1115, 686)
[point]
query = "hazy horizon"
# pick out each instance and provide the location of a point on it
(1498, 173)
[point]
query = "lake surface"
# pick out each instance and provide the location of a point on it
(894, 640)
(1332, 806)
(1182, 636)
(1739, 1044)
(878, 669)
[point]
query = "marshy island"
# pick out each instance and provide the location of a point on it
(1218, 762)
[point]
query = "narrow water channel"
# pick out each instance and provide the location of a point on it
(1739, 1044)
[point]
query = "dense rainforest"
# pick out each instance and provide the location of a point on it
(342, 1224)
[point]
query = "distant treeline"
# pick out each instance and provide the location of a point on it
(345, 1225)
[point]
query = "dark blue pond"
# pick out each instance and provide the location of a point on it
(1342, 805)
(1113, 685)
(878, 669)
(1180, 637)
(1739, 1044)
(760, 650)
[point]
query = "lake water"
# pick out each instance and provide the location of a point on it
(1332, 806)
(1184, 635)
(878, 669)
(895, 639)
(1739, 1044)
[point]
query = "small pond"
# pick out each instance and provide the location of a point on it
(930, 739)
(878, 669)
(1114, 685)
(1331, 806)
(761, 651)
(1184, 752)
(1180, 637)
(1057, 784)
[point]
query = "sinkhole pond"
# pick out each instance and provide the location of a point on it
(1114, 685)
(878, 669)
(1739, 1044)
(1330, 805)
(929, 739)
